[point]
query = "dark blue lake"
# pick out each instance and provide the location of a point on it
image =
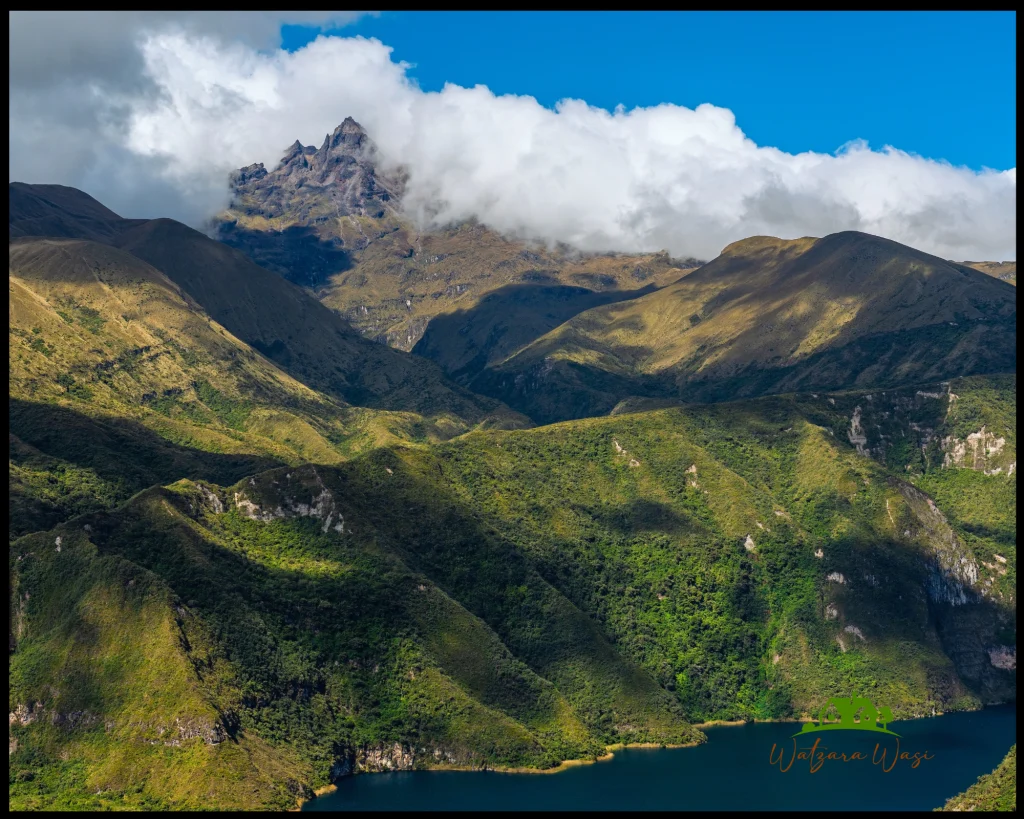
(730, 772)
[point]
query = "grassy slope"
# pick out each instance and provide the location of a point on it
(459, 272)
(771, 316)
(95, 333)
(410, 288)
(508, 598)
(113, 697)
(302, 336)
(308, 645)
(661, 561)
(994, 791)
(956, 441)
(281, 321)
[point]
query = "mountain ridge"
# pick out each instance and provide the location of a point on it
(770, 315)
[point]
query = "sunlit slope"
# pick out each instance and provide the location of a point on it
(118, 379)
(308, 340)
(1004, 271)
(994, 791)
(210, 630)
(768, 316)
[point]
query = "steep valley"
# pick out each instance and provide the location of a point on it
(605, 499)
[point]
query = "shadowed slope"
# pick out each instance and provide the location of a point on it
(56, 210)
(282, 321)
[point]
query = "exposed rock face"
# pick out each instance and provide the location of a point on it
(211, 499)
(1004, 657)
(856, 632)
(967, 619)
(977, 451)
(211, 732)
(923, 416)
(73, 719)
(290, 501)
(396, 757)
(954, 572)
(344, 164)
(856, 433)
(25, 714)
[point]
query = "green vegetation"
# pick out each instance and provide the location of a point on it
(251, 552)
(419, 598)
(994, 791)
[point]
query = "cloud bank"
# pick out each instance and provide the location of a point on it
(160, 140)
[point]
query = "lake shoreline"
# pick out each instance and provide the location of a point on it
(609, 754)
(565, 764)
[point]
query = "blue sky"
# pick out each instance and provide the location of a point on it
(941, 84)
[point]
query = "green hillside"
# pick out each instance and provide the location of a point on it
(306, 339)
(106, 345)
(513, 598)
(994, 791)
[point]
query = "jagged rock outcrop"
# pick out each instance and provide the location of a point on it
(1004, 657)
(209, 731)
(978, 450)
(343, 169)
(338, 180)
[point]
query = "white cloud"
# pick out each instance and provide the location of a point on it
(77, 76)
(688, 181)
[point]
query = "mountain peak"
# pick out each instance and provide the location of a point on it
(296, 151)
(350, 126)
(349, 137)
(340, 176)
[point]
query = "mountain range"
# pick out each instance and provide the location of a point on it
(322, 491)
